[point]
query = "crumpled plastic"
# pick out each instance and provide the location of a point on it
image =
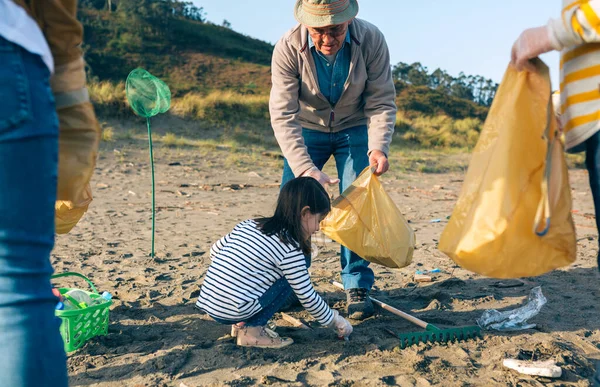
(516, 319)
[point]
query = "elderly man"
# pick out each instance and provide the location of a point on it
(333, 95)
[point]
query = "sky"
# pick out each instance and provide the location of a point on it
(473, 36)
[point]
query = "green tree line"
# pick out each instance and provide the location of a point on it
(472, 87)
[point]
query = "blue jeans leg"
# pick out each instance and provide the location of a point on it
(592, 163)
(351, 147)
(271, 302)
(31, 350)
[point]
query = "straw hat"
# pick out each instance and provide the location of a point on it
(322, 13)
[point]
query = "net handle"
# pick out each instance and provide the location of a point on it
(73, 274)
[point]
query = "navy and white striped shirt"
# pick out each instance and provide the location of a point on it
(245, 264)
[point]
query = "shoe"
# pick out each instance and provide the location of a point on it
(358, 304)
(261, 337)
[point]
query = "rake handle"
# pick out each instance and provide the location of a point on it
(391, 309)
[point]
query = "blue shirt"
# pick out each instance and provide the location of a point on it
(331, 77)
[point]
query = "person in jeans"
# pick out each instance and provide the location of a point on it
(256, 267)
(333, 95)
(49, 138)
(575, 35)
(31, 350)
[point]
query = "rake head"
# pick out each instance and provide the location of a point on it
(439, 336)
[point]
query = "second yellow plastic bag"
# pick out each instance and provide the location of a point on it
(366, 220)
(513, 217)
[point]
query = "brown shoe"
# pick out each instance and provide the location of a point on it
(261, 337)
(358, 304)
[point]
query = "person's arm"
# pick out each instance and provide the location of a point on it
(380, 105)
(577, 25)
(79, 129)
(284, 108)
(295, 271)
(218, 245)
(293, 266)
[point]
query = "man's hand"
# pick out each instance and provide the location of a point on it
(532, 43)
(379, 160)
(321, 177)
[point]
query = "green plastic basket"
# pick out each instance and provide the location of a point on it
(80, 325)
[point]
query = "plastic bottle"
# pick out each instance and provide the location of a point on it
(106, 296)
(77, 299)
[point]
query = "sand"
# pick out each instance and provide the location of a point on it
(157, 338)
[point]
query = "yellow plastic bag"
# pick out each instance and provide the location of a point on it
(366, 220)
(513, 217)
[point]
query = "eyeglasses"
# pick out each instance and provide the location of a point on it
(336, 31)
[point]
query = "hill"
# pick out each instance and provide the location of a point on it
(173, 43)
(213, 70)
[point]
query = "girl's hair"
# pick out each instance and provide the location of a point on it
(286, 223)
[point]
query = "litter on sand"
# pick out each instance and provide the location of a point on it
(514, 320)
(547, 368)
(433, 271)
(422, 278)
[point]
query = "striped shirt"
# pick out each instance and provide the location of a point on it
(244, 264)
(577, 33)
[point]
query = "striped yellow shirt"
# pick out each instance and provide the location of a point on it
(577, 32)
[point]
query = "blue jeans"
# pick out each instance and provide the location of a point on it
(591, 146)
(271, 302)
(349, 148)
(31, 349)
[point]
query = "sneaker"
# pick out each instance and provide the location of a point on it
(261, 337)
(358, 304)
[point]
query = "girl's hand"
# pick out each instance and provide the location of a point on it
(341, 325)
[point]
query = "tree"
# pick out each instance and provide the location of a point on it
(474, 88)
(226, 24)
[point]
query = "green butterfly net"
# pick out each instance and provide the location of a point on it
(148, 96)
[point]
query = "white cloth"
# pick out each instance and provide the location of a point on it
(18, 27)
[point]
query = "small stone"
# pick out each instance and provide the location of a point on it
(254, 174)
(153, 294)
